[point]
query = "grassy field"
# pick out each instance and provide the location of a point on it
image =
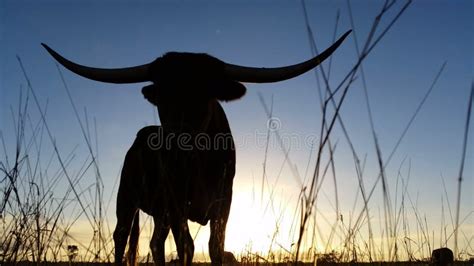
(408, 263)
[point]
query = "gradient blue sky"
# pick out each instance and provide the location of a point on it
(257, 33)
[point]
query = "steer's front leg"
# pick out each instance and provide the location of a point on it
(184, 242)
(157, 243)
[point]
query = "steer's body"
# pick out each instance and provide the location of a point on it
(175, 175)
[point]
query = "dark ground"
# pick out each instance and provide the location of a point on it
(457, 263)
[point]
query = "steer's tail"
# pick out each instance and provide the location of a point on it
(132, 252)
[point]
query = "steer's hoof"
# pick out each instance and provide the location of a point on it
(229, 258)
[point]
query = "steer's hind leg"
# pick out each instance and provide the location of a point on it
(121, 232)
(127, 198)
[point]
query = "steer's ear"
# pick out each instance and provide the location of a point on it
(150, 93)
(226, 90)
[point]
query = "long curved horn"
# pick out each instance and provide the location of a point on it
(115, 75)
(264, 75)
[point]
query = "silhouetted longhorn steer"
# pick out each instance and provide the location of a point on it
(177, 183)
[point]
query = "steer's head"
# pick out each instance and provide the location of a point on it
(185, 86)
